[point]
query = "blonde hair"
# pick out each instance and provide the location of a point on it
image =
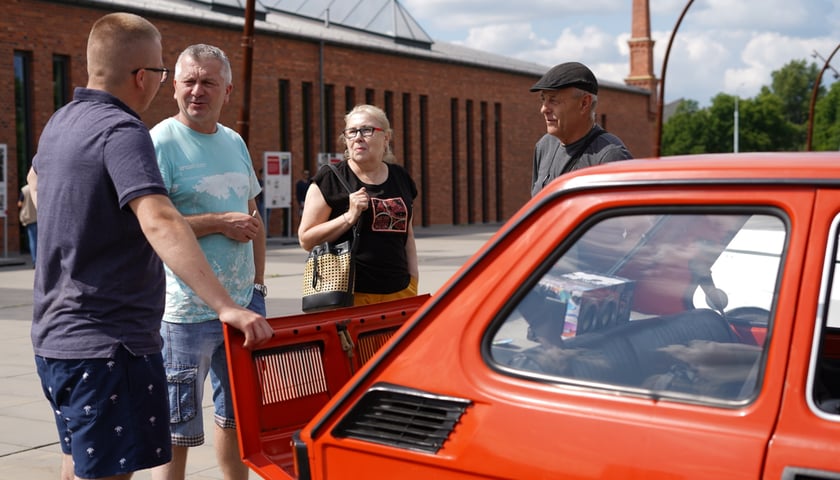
(380, 118)
(116, 43)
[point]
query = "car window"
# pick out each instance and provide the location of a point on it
(824, 375)
(674, 304)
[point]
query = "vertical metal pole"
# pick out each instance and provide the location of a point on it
(735, 130)
(814, 99)
(248, 55)
(657, 146)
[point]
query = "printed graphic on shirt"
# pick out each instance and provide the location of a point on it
(389, 215)
(220, 186)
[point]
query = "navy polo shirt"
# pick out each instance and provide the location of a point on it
(98, 282)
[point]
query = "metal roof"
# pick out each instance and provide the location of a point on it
(386, 26)
(382, 17)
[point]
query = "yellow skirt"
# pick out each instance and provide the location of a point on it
(371, 298)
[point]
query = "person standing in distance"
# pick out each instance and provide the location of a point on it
(208, 172)
(301, 186)
(28, 216)
(106, 222)
(573, 140)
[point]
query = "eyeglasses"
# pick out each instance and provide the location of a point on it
(164, 72)
(366, 131)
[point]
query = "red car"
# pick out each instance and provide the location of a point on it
(655, 319)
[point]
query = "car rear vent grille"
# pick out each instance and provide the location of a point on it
(403, 418)
(369, 343)
(289, 373)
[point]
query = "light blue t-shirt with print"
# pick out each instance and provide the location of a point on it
(207, 173)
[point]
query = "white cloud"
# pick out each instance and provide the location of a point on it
(721, 45)
(504, 38)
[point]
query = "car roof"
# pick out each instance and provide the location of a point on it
(805, 168)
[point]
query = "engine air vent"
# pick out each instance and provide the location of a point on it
(403, 418)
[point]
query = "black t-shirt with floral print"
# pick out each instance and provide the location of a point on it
(381, 261)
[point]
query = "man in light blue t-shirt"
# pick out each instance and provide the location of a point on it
(207, 170)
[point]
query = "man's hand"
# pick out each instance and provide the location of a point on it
(240, 227)
(255, 328)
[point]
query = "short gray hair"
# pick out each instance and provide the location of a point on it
(201, 51)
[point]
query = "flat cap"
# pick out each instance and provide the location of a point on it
(569, 74)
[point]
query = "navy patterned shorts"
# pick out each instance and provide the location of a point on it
(112, 414)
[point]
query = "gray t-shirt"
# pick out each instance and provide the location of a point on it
(551, 157)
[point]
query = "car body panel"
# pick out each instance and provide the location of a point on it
(523, 422)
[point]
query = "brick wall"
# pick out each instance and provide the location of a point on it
(448, 195)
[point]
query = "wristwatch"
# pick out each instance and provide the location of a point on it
(261, 288)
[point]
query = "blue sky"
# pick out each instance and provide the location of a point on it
(729, 46)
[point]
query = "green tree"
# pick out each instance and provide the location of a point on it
(764, 128)
(826, 126)
(793, 84)
(774, 120)
(684, 131)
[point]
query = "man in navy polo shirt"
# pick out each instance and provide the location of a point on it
(105, 224)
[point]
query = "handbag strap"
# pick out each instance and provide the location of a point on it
(341, 179)
(344, 184)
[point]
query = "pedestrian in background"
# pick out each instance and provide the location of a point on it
(105, 224)
(210, 178)
(301, 186)
(381, 206)
(573, 139)
(28, 217)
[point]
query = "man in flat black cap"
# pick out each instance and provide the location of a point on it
(568, 96)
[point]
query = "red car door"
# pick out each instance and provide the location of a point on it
(805, 443)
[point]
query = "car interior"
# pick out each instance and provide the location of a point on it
(675, 304)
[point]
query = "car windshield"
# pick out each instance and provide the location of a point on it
(674, 304)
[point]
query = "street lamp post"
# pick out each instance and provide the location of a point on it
(244, 121)
(657, 146)
(735, 129)
(814, 97)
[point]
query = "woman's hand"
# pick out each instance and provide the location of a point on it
(359, 201)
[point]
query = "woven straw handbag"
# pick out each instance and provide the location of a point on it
(330, 272)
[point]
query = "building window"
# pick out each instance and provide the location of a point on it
(389, 105)
(456, 141)
(349, 98)
(497, 137)
(330, 138)
(23, 113)
(285, 115)
(424, 160)
(406, 130)
(471, 191)
(370, 96)
(308, 125)
(484, 159)
(61, 81)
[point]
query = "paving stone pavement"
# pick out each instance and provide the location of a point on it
(28, 440)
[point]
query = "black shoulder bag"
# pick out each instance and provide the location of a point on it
(330, 272)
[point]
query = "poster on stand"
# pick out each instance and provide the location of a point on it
(277, 170)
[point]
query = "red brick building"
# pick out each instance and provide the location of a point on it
(464, 121)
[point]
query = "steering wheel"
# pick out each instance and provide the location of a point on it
(754, 316)
(749, 321)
